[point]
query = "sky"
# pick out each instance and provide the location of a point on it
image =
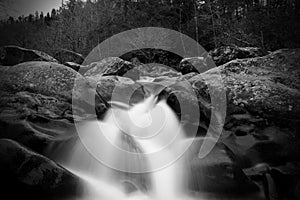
(17, 8)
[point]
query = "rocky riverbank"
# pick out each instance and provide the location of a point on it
(258, 149)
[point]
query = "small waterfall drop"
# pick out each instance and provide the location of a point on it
(151, 132)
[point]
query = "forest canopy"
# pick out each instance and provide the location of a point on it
(81, 25)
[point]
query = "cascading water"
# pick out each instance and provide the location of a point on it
(146, 129)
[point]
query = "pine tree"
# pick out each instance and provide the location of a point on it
(42, 16)
(53, 14)
(36, 15)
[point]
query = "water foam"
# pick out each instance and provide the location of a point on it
(151, 128)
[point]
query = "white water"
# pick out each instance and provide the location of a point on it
(156, 135)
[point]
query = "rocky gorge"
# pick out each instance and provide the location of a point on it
(257, 152)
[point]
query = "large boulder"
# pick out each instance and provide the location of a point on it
(225, 54)
(184, 101)
(52, 80)
(262, 119)
(65, 55)
(116, 88)
(262, 105)
(26, 103)
(12, 55)
(109, 66)
(266, 87)
(45, 78)
(27, 175)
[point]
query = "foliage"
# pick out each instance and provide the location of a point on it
(81, 25)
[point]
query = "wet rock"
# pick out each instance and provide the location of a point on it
(225, 54)
(65, 55)
(36, 132)
(119, 89)
(281, 182)
(262, 106)
(12, 55)
(27, 175)
(265, 151)
(183, 100)
(217, 172)
(273, 145)
(260, 127)
(109, 66)
(262, 111)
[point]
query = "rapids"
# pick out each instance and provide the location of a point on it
(131, 154)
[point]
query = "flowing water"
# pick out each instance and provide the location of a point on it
(131, 154)
(134, 153)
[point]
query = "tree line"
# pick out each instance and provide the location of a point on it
(81, 25)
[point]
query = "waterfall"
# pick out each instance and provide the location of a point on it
(136, 147)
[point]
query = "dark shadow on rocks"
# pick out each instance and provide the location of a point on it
(27, 175)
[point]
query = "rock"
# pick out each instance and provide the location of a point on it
(13, 55)
(265, 152)
(217, 172)
(120, 87)
(272, 145)
(51, 80)
(195, 64)
(183, 102)
(116, 66)
(109, 66)
(157, 70)
(28, 103)
(281, 181)
(157, 56)
(36, 132)
(225, 54)
(174, 79)
(261, 127)
(262, 106)
(182, 98)
(72, 65)
(266, 87)
(65, 55)
(251, 150)
(33, 176)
